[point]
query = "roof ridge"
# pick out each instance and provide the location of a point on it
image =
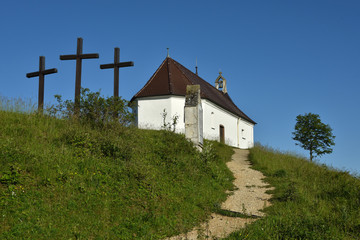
(149, 81)
(185, 68)
(169, 74)
(197, 76)
(177, 63)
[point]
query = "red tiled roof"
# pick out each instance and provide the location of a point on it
(171, 78)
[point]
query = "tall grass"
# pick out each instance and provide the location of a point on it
(61, 179)
(309, 201)
(16, 105)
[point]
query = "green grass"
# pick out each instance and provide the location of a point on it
(16, 105)
(63, 180)
(60, 179)
(309, 201)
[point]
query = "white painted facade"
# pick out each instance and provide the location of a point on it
(238, 132)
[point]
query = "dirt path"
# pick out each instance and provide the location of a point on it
(248, 198)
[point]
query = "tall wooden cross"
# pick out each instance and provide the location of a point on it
(41, 73)
(78, 57)
(116, 65)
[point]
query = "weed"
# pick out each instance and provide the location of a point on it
(11, 176)
(169, 126)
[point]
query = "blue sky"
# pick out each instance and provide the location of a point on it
(280, 58)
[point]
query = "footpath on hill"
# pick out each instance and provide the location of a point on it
(248, 198)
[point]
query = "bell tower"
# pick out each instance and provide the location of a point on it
(220, 83)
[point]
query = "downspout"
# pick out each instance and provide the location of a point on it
(238, 132)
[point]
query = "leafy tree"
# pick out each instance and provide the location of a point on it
(313, 135)
(95, 109)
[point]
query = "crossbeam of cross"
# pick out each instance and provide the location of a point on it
(78, 57)
(41, 73)
(116, 65)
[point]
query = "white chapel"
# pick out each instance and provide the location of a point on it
(222, 119)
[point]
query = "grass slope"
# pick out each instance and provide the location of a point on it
(309, 202)
(63, 180)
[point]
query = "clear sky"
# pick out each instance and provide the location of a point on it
(280, 58)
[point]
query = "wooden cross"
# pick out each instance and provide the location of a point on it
(41, 73)
(78, 57)
(116, 65)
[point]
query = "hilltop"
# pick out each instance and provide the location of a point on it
(60, 179)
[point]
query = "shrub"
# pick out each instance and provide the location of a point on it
(94, 109)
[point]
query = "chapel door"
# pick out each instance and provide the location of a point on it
(222, 134)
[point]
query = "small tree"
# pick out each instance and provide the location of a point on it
(313, 135)
(95, 109)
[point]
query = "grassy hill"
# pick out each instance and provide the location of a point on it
(60, 179)
(310, 201)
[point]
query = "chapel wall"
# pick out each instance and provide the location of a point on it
(177, 108)
(149, 112)
(215, 116)
(238, 133)
(246, 134)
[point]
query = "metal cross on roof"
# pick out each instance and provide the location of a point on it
(41, 73)
(78, 57)
(116, 65)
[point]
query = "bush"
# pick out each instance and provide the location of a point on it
(94, 109)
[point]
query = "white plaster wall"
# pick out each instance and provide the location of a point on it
(215, 116)
(150, 110)
(246, 134)
(238, 133)
(177, 108)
